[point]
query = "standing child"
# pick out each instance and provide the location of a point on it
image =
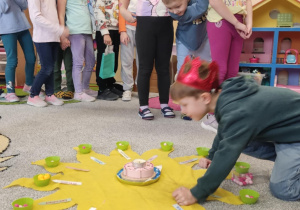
(191, 35)
(78, 16)
(107, 33)
(14, 27)
(46, 36)
(127, 32)
(154, 41)
(232, 19)
(270, 130)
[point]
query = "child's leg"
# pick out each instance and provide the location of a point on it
(285, 178)
(204, 50)
(127, 56)
(164, 44)
(47, 53)
(235, 52)
(220, 45)
(181, 52)
(10, 45)
(100, 50)
(57, 70)
(78, 49)
(68, 67)
(145, 45)
(26, 43)
(115, 37)
(89, 61)
(261, 150)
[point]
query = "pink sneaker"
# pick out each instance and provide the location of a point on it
(26, 88)
(91, 92)
(11, 97)
(53, 100)
(36, 101)
(84, 97)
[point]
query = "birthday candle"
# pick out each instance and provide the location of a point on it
(66, 182)
(55, 202)
(98, 161)
(189, 161)
(152, 158)
(123, 154)
(176, 206)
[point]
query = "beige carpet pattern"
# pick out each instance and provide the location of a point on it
(36, 133)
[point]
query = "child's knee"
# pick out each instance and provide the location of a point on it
(284, 191)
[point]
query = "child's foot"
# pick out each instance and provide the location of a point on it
(146, 114)
(185, 117)
(91, 92)
(59, 94)
(68, 95)
(167, 112)
(53, 100)
(83, 97)
(107, 95)
(126, 95)
(36, 101)
(210, 123)
(117, 92)
(26, 88)
(11, 97)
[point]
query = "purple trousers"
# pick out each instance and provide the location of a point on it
(82, 52)
(226, 47)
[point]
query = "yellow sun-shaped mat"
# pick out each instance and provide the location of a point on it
(101, 189)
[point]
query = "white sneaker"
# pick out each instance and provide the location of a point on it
(209, 122)
(53, 100)
(36, 101)
(84, 97)
(91, 92)
(126, 95)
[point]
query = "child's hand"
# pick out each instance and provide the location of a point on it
(64, 43)
(107, 39)
(128, 16)
(248, 23)
(66, 32)
(241, 29)
(204, 163)
(124, 38)
(184, 197)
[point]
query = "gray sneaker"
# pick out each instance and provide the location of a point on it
(210, 123)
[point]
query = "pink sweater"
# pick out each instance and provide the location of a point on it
(43, 15)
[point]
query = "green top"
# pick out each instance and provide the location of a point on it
(78, 17)
(247, 112)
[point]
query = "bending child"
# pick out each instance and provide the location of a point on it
(267, 132)
(232, 19)
(191, 35)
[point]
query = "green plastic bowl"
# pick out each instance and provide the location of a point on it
(202, 151)
(52, 161)
(41, 183)
(242, 167)
(22, 201)
(122, 145)
(249, 196)
(166, 145)
(85, 148)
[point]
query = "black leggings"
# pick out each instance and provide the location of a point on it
(115, 37)
(154, 41)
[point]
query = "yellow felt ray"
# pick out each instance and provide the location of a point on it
(3, 168)
(2, 159)
(101, 189)
(4, 143)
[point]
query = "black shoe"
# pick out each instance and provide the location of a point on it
(107, 95)
(117, 92)
(118, 86)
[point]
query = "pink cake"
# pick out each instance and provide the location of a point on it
(138, 170)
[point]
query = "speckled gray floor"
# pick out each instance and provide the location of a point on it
(39, 132)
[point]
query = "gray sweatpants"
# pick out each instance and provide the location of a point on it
(127, 56)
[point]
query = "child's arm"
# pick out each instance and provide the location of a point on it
(225, 13)
(124, 12)
(124, 39)
(192, 12)
(249, 18)
(23, 4)
(61, 10)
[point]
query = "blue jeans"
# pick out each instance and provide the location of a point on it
(285, 177)
(182, 51)
(47, 53)
(10, 45)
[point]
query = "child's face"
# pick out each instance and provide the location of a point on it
(177, 7)
(195, 108)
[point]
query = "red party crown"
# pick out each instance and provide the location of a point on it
(193, 79)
